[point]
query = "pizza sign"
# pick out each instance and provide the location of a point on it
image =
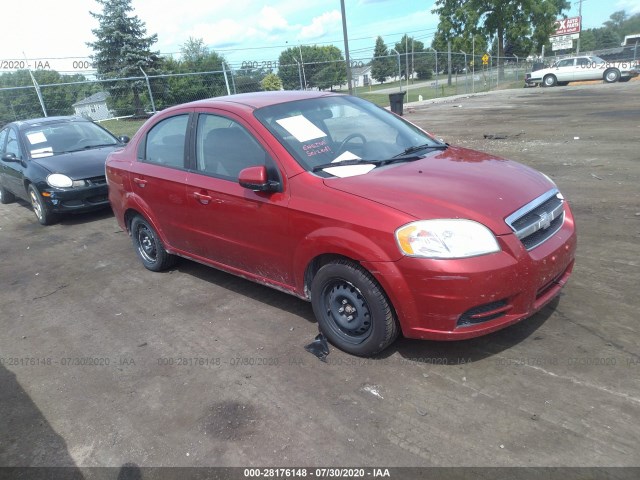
(565, 26)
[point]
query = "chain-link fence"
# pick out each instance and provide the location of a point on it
(422, 75)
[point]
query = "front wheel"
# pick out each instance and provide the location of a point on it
(612, 75)
(43, 214)
(352, 310)
(149, 246)
(549, 81)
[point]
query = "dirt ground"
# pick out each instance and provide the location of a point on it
(103, 363)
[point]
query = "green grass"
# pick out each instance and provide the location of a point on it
(428, 91)
(123, 126)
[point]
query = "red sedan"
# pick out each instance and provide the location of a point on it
(344, 204)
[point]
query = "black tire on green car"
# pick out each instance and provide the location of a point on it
(149, 247)
(352, 310)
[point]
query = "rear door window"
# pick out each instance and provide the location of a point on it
(165, 142)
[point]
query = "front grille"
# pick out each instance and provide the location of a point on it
(97, 180)
(539, 220)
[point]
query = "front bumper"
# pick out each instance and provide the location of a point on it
(465, 298)
(76, 199)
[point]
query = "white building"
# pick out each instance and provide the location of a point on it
(93, 107)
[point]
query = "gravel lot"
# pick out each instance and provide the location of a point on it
(105, 363)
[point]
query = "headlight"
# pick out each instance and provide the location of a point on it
(59, 180)
(449, 238)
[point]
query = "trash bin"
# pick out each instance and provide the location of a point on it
(396, 101)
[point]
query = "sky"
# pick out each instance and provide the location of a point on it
(54, 33)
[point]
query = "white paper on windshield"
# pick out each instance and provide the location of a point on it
(301, 128)
(36, 137)
(41, 152)
(348, 170)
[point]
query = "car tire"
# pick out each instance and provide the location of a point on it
(612, 75)
(549, 81)
(563, 84)
(43, 214)
(352, 310)
(624, 79)
(149, 247)
(6, 196)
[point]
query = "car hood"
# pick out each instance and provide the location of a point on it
(78, 165)
(455, 183)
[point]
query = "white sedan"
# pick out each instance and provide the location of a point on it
(575, 69)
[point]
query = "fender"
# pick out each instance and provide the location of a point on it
(132, 201)
(336, 241)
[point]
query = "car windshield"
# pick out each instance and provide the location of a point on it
(345, 132)
(57, 138)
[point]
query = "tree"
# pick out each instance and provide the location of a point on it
(463, 43)
(321, 67)
(121, 49)
(271, 82)
(413, 55)
(382, 65)
(195, 58)
(533, 19)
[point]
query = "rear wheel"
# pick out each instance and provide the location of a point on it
(612, 75)
(549, 81)
(563, 84)
(43, 214)
(149, 246)
(6, 196)
(352, 310)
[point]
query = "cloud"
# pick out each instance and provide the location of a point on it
(271, 21)
(325, 23)
(631, 7)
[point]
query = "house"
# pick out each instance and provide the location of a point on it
(93, 107)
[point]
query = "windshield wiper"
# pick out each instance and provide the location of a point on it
(99, 145)
(345, 163)
(417, 148)
(360, 161)
(87, 147)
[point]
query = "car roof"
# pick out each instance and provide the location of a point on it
(31, 122)
(256, 100)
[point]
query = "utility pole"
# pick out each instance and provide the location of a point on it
(302, 62)
(449, 62)
(579, 16)
(406, 59)
(346, 47)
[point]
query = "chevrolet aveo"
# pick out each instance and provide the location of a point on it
(330, 198)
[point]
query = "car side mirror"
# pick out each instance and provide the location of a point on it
(256, 179)
(10, 158)
(124, 139)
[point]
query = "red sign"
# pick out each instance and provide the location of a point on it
(565, 26)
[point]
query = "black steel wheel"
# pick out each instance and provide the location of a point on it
(149, 246)
(352, 310)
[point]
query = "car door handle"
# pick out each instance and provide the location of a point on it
(203, 199)
(140, 182)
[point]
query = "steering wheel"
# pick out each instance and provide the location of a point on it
(350, 137)
(81, 142)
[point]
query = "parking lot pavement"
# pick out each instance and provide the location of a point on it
(105, 363)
